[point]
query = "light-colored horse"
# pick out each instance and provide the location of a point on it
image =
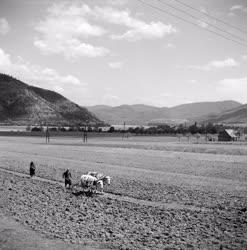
(89, 182)
(106, 180)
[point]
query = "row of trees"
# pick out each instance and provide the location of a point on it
(181, 129)
(57, 129)
(161, 129)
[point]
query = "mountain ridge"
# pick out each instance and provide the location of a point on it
(140, 114)
(237, 115)
(21, 103)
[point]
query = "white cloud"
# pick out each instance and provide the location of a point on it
(202, 24)
(231, 14)
(116, 2)
(71, 49)
(166, 94)
(203, 9)
(165, 99)
(229, 62)
(217, 64)
(4, 26)
(244, 57)
(34, 74)
(115, 65)
(65, 31)
(238, 8)
(4, 59)
(137, 29)
(147, 31)
(192, 81)
(233, 89)
(111, 99)
(171, 45)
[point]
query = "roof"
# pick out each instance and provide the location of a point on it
(231, 132)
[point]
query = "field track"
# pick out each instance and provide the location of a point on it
(119, 197)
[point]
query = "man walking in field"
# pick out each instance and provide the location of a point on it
(32, 169)
(67, 178)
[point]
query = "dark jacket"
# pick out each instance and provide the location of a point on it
(67, 175)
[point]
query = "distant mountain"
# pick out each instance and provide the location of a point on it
(130, 114)
(234, 116)
(144, 114)
(24, 104)
(200, 109)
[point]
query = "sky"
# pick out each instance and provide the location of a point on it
(116, 52)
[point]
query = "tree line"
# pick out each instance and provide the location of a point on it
(180, 129)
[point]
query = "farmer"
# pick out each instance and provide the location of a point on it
(67, 178)
(32, 169)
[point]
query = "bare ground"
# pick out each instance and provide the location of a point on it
(157, 199)
(47, 209)
(14, 236)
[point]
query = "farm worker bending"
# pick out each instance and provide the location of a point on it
(32, 169)
(67, 178)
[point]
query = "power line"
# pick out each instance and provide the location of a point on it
(187, 21)
(211, 16)
(196, 18)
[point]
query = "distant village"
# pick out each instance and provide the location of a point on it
(211, 132)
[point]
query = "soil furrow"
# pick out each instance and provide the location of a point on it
(120, 197)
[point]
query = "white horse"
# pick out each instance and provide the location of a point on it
(106, 180)
(90, 183)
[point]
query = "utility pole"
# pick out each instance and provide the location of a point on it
(85, 134)
(123, 131)
(47, 135)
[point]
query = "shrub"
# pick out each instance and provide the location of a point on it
(36, 129)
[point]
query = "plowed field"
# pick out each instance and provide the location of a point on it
(162, 194)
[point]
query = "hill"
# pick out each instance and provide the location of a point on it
(21, 103)
(143, 114)
(234, 116)
(201, 109)
(131, 114)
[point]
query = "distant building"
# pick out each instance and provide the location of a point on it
(228, 135)
(104, 129)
